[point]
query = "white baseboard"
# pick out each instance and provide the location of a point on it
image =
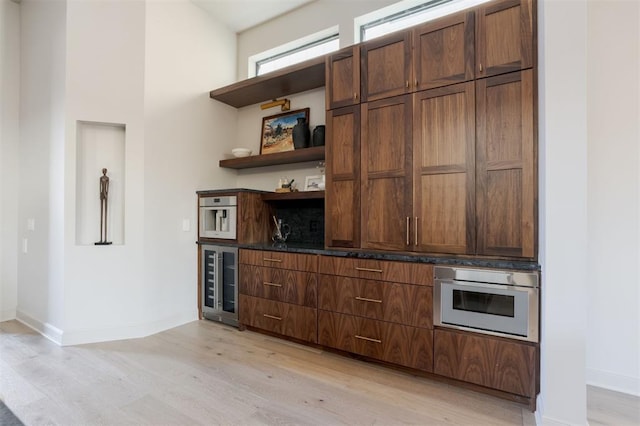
(7, 314)
(134, 331)
(47, 330)
(543, 420)
(613, 381)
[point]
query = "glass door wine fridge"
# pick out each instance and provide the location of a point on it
(219, 282)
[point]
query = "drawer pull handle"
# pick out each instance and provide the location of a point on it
(272, 317)
(369, 270)
(364, 299)
(368, 339)
(267, 259)
(272, 284)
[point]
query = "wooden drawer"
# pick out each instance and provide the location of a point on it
(382, 270)
(281, 285)
(277, 259)
(398, 344)
(393, 302)
(486, 361)
(279, 317)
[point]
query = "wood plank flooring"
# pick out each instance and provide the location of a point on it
(207, 373)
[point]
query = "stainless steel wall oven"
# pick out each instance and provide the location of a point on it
(497, 302)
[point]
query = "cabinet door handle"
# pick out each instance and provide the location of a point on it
(368, 339)
(355, 96)
(272, 284)
(416, 83)
(364, 299)
(480, 67)
(272, 317)
(369, 270)
(415, 230)
(408, 224)
(266, 259)
(407, 84)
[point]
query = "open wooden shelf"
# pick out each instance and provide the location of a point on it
(299, 195)
(283, 82)
(288, 157)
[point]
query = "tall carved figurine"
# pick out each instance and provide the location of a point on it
(104, 200)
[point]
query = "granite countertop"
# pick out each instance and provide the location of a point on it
(221, 191)
(404, 257)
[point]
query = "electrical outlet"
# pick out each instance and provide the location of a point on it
(31, 224)
(25, 246)
(186, 225)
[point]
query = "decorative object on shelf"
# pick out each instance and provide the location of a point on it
(277, 131)
(314, 183)
(241, 152)
(281, 231)
(104, 200)
(284, 104)
(318, 135)
(285, 185)
(301, 134)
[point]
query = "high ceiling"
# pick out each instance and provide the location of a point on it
(240, 15)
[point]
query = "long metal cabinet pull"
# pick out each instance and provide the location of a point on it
(408, 219)
(272, 284)
(368, 269)
(266, 259)
(368, 339)
(272, 317)
(365, 299)
(415, 230)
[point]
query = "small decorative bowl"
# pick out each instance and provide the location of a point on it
(241, 152)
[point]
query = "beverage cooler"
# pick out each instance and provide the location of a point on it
(219, 282)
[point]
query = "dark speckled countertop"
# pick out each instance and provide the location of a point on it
(404, 257)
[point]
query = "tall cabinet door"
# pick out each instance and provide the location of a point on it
(343, 78)
(444, 51)
(386, 173)
(506, 165)
(504, 37)
(342, 193)
(444, 165)
(386, 66)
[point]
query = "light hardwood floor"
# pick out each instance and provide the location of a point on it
(207, 373)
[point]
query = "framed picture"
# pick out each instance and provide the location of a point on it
(277, 131)
(314, 183)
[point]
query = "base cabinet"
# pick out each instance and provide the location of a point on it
(486, 361)
(395, 343)
(278, 317)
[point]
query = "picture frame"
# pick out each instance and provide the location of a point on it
(314, 183)
(277, 131)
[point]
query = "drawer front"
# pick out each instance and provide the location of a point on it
(399, 272)
(277, 259)
(486, 361)
(398, 344)
(281, 285)
(387, 301)
(290, 320)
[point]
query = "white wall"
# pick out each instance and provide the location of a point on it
(186, 133)
(41, 174)
(613, 96)
(9, 134)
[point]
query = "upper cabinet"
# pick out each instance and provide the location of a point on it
(444, 51)
(504, 37)
(386, 66)
(343, 78)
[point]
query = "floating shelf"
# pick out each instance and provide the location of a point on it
(276, 84)
(299, 195)
(288, 157)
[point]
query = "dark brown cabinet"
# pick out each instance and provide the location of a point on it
(378, 309)
(444, 51)
(342, 194)
(277, 293)
(506, 166)
(491, 362)
(444, 165)
(386, 173)
(504, 37)
(343, 78)
(386, 66)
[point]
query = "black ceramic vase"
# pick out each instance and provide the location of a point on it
(318, 136)
(301, 134)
